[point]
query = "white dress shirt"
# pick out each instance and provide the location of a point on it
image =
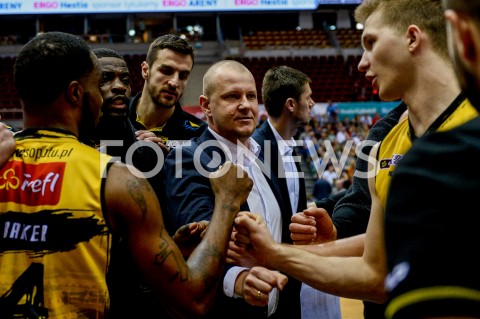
(315, 304)
(261, 200)
(290, 171)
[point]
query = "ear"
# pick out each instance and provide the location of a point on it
(145, 70)
(414, 37)
(290, 105)
(462, 32)
(205, 105)
(74, 93)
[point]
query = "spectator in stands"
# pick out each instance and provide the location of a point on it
(342, 135)
(332, 111)
(340, 185)
(439, 271)
(170, 60)
(424, 49)
(68, 239)
(358, 92)
(321, 189)
(366, 119)
(329, 174)
(262, 118)
(376, 117)
(230, 102)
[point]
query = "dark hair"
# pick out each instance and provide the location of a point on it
(279, 84)
(172, 42)
(48, 63)
(107, 53)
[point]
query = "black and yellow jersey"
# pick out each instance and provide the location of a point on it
(180, 127)
(400, 139)
(55, 243)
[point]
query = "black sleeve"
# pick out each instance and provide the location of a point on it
(329, 203)
(431, 228)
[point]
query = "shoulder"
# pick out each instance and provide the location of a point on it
(193, 119)
(396, 133)
(443, 153)
(263, 132)
(386, 123)
(200, 146)
(122, 179)
(184, 125)
(259, 135)
(134, 102)
(132, 109)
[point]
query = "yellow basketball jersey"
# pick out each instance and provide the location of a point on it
(398, 142)
(54, 239)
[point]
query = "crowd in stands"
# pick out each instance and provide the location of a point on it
(329, 149)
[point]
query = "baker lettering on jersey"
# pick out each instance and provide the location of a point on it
(20, 231)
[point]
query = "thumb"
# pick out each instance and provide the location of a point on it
(282, 281)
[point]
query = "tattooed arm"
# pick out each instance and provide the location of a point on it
(185, 288)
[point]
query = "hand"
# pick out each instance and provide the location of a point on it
(254, 236)
(144, 135)
(230, 184)
(188, 236)
(239, 256)
(7, 144)
(312, 226)
(259, 282)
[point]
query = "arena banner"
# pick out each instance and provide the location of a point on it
(137, 6)
(350, 109)
(125, 6)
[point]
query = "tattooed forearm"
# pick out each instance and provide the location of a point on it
(204, 266)
(136, 187)
(165, 252)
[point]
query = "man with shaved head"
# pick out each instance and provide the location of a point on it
(230, 104)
